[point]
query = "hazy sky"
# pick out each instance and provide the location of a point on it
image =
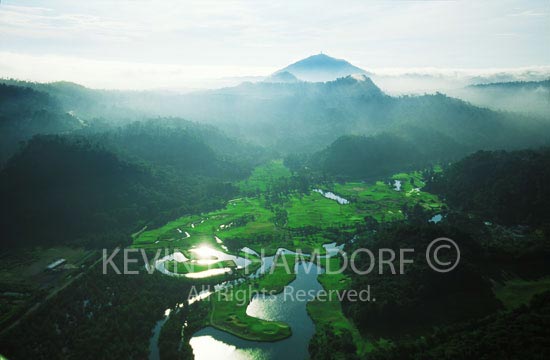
(174, 43)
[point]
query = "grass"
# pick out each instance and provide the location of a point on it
(228, 311)
(242, 218)
(381, 201)
(263, 176)
(333, 281)
(246, 219)
(249, 220)
(517, 292)
(329, 312)
(316, 210)
(312, 243)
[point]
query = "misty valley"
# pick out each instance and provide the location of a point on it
(293, 217)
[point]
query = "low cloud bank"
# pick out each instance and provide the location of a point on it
(132, 75)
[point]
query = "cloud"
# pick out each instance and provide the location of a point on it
(529, 13)
(45, 23)
(246, 33)
(397, 81)
(136, 75)
(121, 74)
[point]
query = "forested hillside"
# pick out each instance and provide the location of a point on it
(510, 188)
(414, 302)
(355, 157)
(94, 180)
(528, 97)
(306, 117)
(200, 180)
(360, 157)
(25, 112)
(98, 180)
(75, 191)
(520, 334)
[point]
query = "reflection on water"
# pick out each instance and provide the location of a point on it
(209, 342)
(207, 252)
(207, 273)
(330, 195)
(201, 296)
(249, 251)
(206, 256)
(332, 249)
(208, 348)
(397, 185)
(153, 342)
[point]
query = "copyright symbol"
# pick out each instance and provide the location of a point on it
(432, 252)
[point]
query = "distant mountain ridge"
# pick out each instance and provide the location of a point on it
(282, 77)
(306, 116)
(528, 97)
(25, 112)
(321, 67)
(514, 84)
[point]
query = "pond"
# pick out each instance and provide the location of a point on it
(332, 196)
(397, 185)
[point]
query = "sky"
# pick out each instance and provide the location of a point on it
(180, 44)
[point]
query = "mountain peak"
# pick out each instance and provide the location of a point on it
(282, 77)
(321, 67)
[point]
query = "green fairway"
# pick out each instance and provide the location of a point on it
(228, 311)
(329, 313)
(243, 218)
(250, 221)
(311, 221)
(264, 176)
(316, 210)
(382, 202)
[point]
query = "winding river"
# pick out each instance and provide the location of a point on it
(211, 343)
